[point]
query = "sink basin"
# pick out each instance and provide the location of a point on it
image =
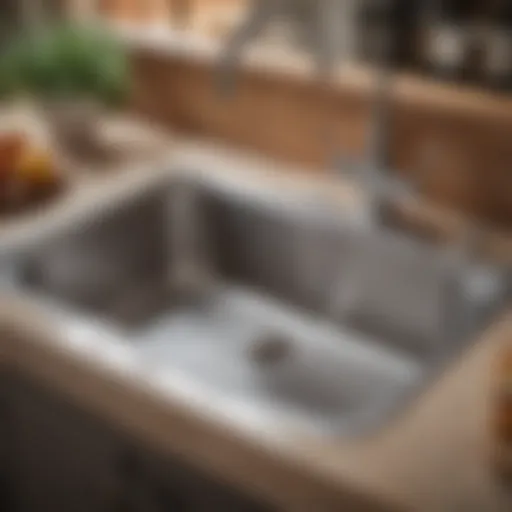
(266, 300)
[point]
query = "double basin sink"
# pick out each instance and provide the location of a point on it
(270, 303)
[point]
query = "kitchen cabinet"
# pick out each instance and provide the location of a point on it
(162, 485)
(5, 452)
(54, 456)
(59, 457)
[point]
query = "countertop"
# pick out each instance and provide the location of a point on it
(436, 456)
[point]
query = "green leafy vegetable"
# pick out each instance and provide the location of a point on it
(66, 61)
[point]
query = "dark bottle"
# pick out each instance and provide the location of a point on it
(374, 30)
(404, 20)
(381, 25)
(497, 46)
(448, 36)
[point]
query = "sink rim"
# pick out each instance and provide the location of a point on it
(124, 201)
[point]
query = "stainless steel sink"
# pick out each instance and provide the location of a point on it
(266, 301)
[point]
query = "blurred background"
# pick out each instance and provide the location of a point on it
(236, 235)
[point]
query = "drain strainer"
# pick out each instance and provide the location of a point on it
(270, 349)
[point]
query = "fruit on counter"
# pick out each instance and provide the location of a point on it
(36, 166)
(11, 147)
(28, 173)
(503, 412)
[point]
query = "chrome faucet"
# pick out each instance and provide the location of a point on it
(373, 171)
(320, 19)
(381, 186)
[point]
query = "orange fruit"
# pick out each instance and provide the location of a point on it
(36, 166)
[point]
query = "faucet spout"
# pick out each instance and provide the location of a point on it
(262, 11)
(321, 20)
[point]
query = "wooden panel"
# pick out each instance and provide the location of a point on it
(284, 118)
(458, 157)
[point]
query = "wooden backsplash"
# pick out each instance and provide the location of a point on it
(455, 145)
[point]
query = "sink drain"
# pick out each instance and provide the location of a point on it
(270, 349)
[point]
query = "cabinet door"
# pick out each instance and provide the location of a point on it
(170, 484)
(6, 453)
(62, 459)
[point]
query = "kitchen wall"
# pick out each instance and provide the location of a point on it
(453, 144)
